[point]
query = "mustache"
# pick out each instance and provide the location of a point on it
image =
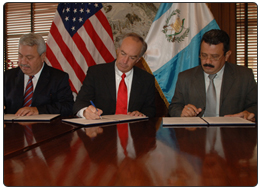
(22, 65)
(208, 65)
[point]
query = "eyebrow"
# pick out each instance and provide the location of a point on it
(135, 56)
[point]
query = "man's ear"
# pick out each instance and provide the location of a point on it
(228, 53)
(43, 55)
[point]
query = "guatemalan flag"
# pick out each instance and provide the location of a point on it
(80, 36)
(174, 41)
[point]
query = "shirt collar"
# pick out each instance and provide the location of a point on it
(119, 73)
(37, 75)
(219, 73)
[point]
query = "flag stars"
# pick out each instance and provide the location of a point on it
(80, 19)
(96, 5)
(75, 11)
(66, 18)
(81, 10)
(88, 11)
(68, 9)
(74, 19)
(73, 28)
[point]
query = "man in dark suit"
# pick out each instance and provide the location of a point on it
(102, 82)
(51, 90)
(236, 88)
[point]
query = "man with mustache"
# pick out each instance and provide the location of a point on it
(34, 87)
(235, 87)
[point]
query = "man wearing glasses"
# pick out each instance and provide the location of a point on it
(216, 87)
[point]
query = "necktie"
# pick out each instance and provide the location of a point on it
(121, 108)
(211, 98)
(27, 101)
(121, 103)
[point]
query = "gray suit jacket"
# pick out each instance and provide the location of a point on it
(99, 86)
(238, 91)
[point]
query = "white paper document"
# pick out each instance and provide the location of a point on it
(227, 121)
(105, 119)
(206, 121)
(191, 121)
(40, 117)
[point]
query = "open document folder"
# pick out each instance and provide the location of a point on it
(206, 121)
(40, 117)
(105, 119)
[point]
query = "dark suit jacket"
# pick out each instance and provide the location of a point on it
(51, 96)
(238, 91)
(99, 86)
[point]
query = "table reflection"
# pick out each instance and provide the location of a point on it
(154, 156)
(220, 165)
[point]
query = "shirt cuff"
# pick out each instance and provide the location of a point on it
(80, 112)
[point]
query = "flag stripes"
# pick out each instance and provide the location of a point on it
(80, 37)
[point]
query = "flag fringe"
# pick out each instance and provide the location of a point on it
(147, 68)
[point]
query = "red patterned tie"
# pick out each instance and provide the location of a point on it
(121, 108)
(27, 101)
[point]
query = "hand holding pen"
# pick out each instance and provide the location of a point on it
(92, 112)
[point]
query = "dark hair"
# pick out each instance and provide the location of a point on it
(215, 37)
(137, 38)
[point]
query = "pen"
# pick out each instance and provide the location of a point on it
(95, 107)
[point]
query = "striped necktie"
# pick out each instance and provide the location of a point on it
(27, 101)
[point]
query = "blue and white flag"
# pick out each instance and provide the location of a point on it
(174, 41)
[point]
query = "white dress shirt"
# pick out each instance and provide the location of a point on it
(34, 80)
(218, 84)
(118, 74)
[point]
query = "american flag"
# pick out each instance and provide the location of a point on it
(80, 36)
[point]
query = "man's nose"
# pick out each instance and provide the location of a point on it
(209, 59)
(126, 58)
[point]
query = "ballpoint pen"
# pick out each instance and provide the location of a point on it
(95, 107)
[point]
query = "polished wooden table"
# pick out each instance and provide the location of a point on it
(62, 154)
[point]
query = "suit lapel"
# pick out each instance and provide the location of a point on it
(42, 82)
(110, 80)
(199, 84)
(19, 86)
(136, 87)
(227, 82)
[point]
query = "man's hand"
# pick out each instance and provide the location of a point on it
(136, 113)
(26, 111)
(92, 113)
(190, 111)
(244, 114)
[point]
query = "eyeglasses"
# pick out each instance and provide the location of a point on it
(211, 58)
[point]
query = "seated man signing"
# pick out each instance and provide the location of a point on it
(216, 87)
(118, 87)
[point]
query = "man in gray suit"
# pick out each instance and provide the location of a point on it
(236, 89)
(102, 82)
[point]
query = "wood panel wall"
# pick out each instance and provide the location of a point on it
(225, 15)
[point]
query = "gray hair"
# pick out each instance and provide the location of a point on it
(32, 39)
(137, 38)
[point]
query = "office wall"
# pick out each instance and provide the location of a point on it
(225, 15)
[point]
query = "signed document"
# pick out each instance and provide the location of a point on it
(105, 119)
